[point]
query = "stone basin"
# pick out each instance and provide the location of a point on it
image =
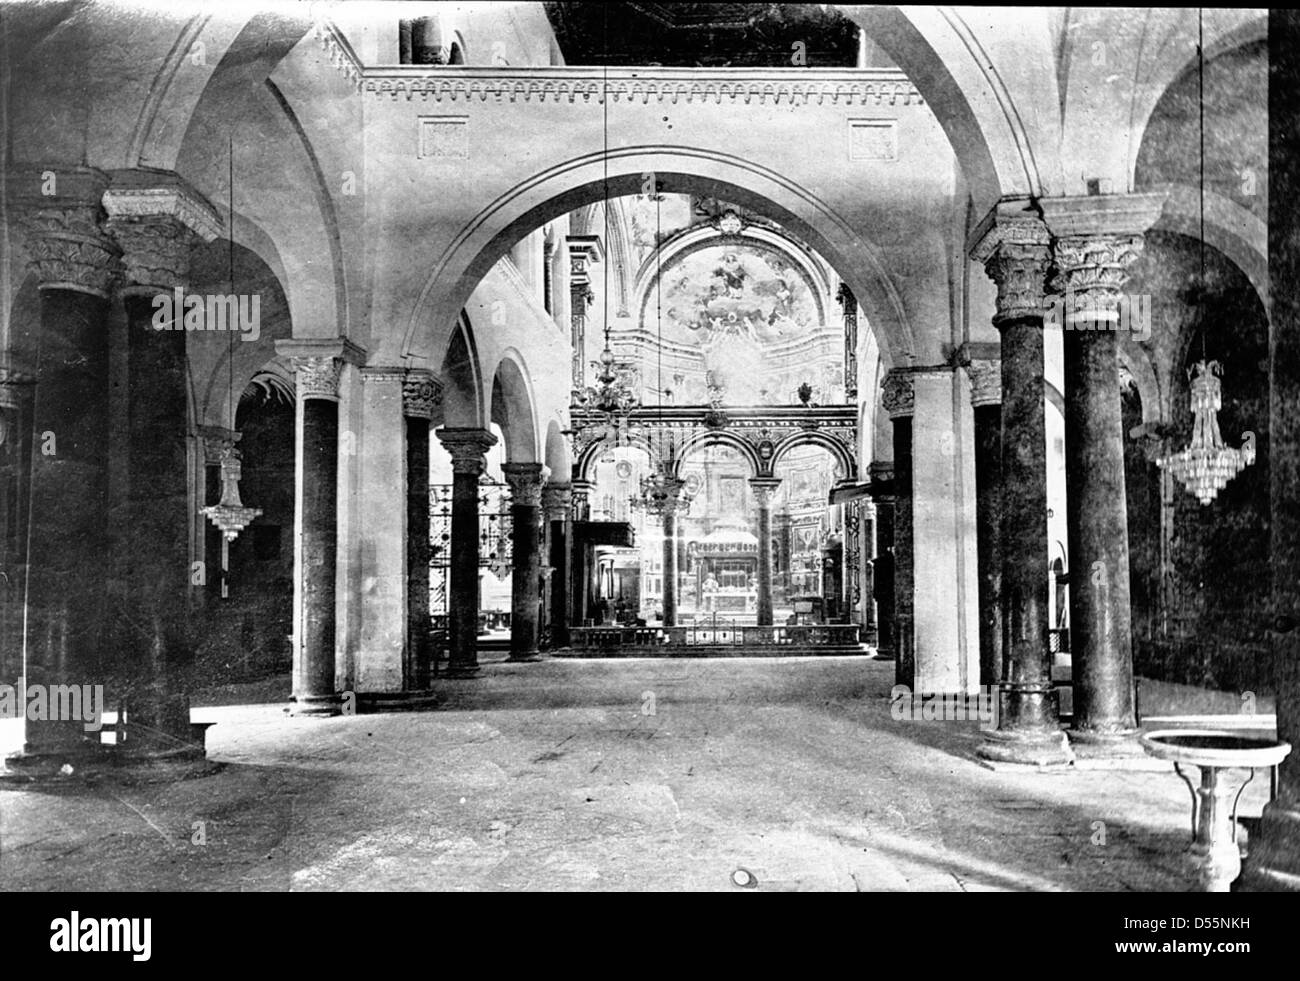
(1214, 853)
(1214, 747)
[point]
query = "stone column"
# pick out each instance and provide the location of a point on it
(883, 587)
(420, 395)
(156, 222)
(557, 506)
(467, 448)
(898, 398)
(525, 480)
(1013, 245)
(75, 263)
(584, 250)
(316, 520)
(849, 306)
(581, 497)
(1096, 239)
(16, 391)
(1274, 861)
(764, 488)
(986, 403)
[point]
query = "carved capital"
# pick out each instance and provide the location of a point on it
(67, 248)
(581, 495)
(155, 220)
(898, 394)
(216, 440)
(467, 448)
(421, 394)
(985, 381)
(584, 250)
(557, 501)
(764, 489)
(848, 302)
(1012, 243)
(155, 252)
(525, 480)
(317, 377)
(1091, 272)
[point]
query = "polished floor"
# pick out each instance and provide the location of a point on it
(631, 774)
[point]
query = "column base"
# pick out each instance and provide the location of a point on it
(370, 702)
(1026, 747)
(1112, 750)
(460, 671)
(883, 654)
(318, 706)
(96, 762)
(1274, 861)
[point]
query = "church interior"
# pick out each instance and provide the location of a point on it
(621, 446)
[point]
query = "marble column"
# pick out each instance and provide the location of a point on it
(898, 397)
(849, 307)
(316, 518)
(75, 263)
(16, 391)
(986, 403)
(764, 488)
(525, 480)
(1096, 239)
(584, 251)
(666, 500)
(1012, 243)
(467, 448)
(557, 506)
(420, 395)
(156, 223)
(1274, 861)
(580, 495)
(883, 574)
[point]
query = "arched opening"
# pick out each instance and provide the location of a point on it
(809, 536)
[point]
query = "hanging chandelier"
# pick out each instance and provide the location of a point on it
(230, 515)
(612, 398)
(1207, 464)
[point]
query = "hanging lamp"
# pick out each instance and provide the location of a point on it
(1206, 465)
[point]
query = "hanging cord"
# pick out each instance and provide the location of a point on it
(1200, 82)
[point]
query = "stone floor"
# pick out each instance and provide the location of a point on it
(630, 774)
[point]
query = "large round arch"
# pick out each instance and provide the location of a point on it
(679, 170)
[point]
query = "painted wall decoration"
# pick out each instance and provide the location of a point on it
(748, 313)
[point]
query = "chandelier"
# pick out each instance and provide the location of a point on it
(230, 515)
(1207, 464)
(612, 398)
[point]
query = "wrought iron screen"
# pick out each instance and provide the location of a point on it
(494, 537)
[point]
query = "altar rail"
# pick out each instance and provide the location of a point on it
(734, 638)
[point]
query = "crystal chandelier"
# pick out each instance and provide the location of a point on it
(229, 515)
(1207, 464)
